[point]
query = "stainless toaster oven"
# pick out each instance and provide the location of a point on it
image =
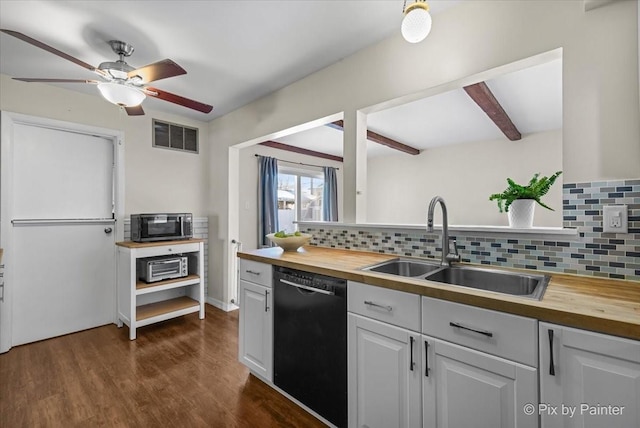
(152, 269)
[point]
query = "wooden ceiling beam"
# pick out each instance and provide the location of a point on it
(482, 95)
(287, 147)
(392, 144)
(380, 139)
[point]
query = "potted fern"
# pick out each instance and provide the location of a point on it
(520, 201)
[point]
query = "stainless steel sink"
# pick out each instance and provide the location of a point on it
(402, 267)
(524, 285)
(517, 284)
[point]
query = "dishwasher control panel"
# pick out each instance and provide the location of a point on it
(308, 279)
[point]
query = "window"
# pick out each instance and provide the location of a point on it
(299, 196)
(173, 136)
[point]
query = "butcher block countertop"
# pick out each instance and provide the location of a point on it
(602, 305)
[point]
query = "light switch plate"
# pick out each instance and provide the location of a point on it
(614, 219)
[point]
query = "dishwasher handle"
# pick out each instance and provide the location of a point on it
(304, 287)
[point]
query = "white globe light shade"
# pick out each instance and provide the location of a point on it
(121, 95)
(416, 25)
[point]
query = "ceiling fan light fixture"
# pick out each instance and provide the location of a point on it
(118, 74)
(122, 95)
(416, 23)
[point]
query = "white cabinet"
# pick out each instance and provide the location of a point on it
(588, 379)
(463, 387)
(383, 375)
(469, 376)
(255, 342)
(383, 359)
(141, 303)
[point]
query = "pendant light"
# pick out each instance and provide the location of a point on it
(416, 23)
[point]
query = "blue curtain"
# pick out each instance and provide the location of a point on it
(267, 198)
(330, 195)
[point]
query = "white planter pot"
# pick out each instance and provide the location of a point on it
(521, 213)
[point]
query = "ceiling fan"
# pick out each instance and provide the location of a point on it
(120, 83)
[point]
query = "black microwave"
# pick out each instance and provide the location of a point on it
(161, 227)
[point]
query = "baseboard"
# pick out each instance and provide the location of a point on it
(227, 307)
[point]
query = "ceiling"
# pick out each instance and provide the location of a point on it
(234, 51)
(531, 97)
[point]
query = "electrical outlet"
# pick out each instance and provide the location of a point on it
(614, 219)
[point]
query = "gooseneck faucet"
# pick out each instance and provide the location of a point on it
(447, 256)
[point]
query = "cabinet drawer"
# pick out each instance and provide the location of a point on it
(509, 336)
(391, 306)
(164, 250)
(256, 272)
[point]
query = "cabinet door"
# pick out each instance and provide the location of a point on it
(588, 379)
(256, 329)
(467, 388)
(384, 375)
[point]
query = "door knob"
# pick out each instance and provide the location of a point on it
(108, 230)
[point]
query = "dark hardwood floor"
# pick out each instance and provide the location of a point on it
(179, 373)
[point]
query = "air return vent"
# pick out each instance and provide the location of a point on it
(176, 137)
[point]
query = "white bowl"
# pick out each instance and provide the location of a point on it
(290, 243)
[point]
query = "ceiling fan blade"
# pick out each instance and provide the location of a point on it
(177, 99)
(48, 48)
(28, 79)
(135, 111)
(158, 70)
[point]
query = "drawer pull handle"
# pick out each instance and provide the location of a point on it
(266, 300)
(552, 368)
(376, 305)
(411, 363)
(252, 272)
(426, 359)
(475, 330)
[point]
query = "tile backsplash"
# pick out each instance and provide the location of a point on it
(592, 252)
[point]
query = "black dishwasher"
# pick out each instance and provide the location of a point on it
(310, 341)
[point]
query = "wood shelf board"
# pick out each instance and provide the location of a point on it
(141, 285)
(131, 244)
(164, 307)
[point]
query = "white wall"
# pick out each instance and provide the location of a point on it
(248, 213)
(600, 74)
(401, 186)
(156, 180)
(601, 115)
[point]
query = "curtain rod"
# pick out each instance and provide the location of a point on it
(298, 163)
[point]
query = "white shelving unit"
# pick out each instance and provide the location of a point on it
(140, 303)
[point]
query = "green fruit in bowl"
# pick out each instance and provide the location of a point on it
(283, 234)
(289, 241)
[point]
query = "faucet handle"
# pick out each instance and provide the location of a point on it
(455, 256)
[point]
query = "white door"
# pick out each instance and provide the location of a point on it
(592, 380)
(464, 388)
(256, 329)
(384, 375)
(58, 227)
(64, 276)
